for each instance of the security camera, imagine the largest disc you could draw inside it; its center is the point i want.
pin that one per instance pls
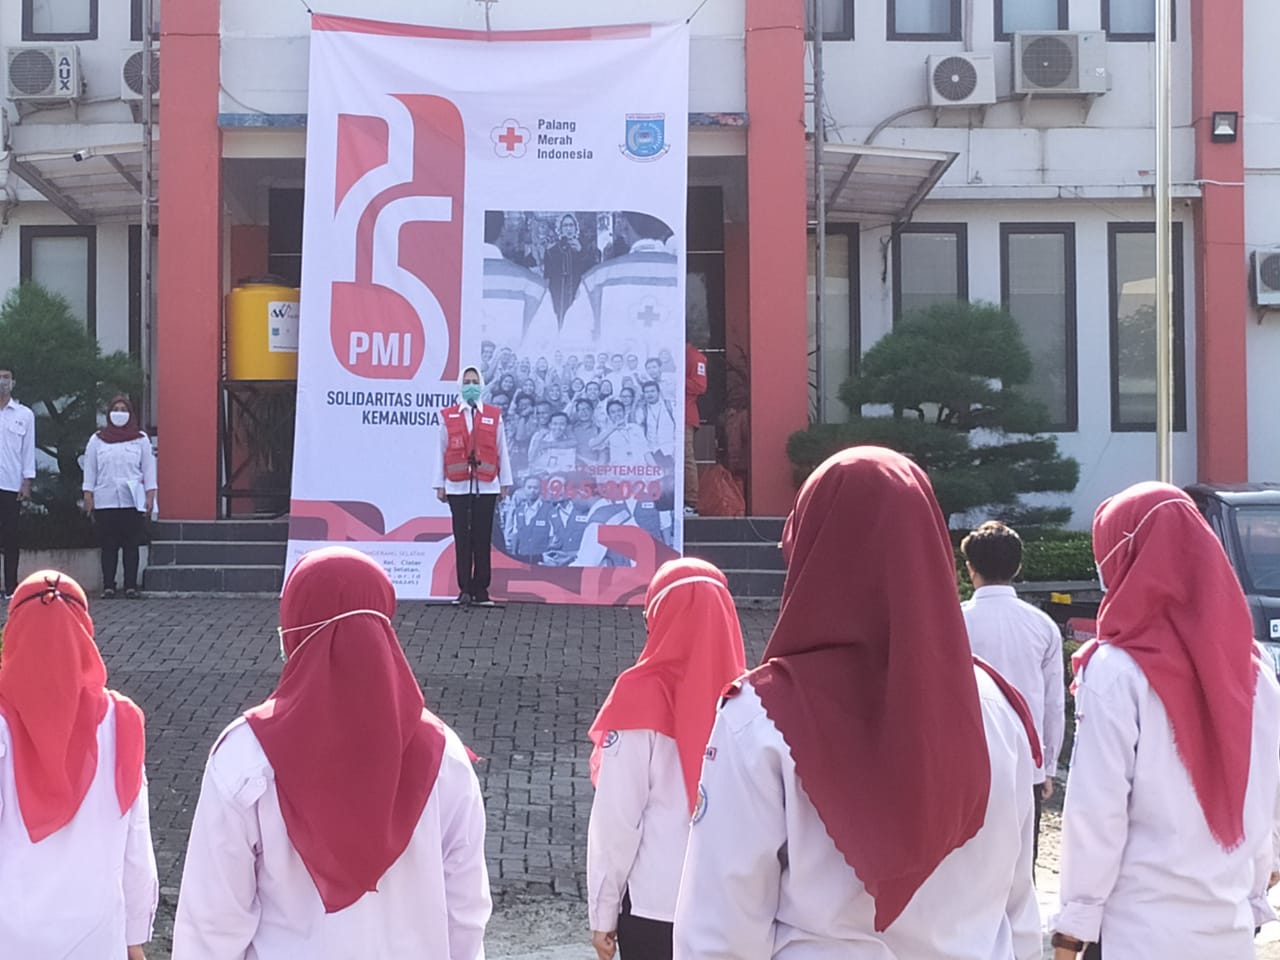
(80, 155)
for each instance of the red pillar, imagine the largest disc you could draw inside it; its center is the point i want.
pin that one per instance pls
(1222, 301)
(189, 317)
(777, 221)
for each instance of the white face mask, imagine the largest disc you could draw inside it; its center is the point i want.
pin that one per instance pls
(320, 625)
(1102, 584)
(119, 417)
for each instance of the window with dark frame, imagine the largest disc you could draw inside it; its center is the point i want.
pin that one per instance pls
(1029, 16)
(63, 260)
(1038, 289)
(842, 335)
(924, 20)
(1133, 21)
(135, 20)
(1131, 275)
(284, 234)
(837, 19)
(930, 265)
(59, 20)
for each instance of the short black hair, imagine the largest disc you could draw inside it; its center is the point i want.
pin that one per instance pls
(647, 226)
(994, 551)
(615, 403)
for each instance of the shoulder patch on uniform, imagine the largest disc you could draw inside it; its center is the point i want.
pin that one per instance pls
(700, 808)
(710, 754)
(730, 691)
(610, 739)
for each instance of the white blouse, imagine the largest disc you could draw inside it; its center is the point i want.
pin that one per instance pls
(119, 474)
(88, 891)
(762, 877)
(246, 894)
(1139, 864)
(639, 828)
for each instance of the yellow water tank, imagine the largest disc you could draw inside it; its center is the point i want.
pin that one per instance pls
(262, 330)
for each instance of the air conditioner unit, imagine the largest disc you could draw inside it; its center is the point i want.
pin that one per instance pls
(131, 73)
(43, 73)
(1266, 277)
(961, 80)
(1060, 62)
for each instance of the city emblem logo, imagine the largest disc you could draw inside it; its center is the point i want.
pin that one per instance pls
(646, 136)
(610, 739)
(510, 139)
(700, 808)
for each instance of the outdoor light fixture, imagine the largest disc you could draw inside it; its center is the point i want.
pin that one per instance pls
(1226, 124)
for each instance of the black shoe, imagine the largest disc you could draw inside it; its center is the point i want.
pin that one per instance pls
(482, 600)
(109, 593)
(464, 600)
(133, 594)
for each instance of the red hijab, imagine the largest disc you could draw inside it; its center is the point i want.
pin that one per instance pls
(693, 651)
(52, 697)
(354, 752)
(869, 676)
(1175, 606)
(113, 434)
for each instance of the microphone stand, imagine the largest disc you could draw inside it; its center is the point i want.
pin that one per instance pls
(474, 486)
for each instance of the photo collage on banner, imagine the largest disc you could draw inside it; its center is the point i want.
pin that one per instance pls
(455, 220)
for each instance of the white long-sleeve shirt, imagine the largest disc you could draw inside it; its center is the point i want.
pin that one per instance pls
(762, 878)
(89, 890)
(457, 488)
(119, 475)
(1139, 864)
(639, 828)
(1025, 647)
(246, 894)
(17, 445)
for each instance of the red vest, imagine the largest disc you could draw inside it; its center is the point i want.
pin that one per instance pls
(482, 441)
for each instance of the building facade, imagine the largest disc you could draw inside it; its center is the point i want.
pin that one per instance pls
(943, 180)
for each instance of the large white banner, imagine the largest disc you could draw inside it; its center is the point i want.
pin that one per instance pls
(514, 201)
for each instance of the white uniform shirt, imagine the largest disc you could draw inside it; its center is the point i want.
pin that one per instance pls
(246, 894)
(516, 309)
(762, 878)
(457, 488)
(638, 830)
(1139, 864)
(1025, 647)
(119, 474)
(87, 891)
(17, 445)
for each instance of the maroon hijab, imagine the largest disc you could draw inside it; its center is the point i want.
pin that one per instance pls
(113, 434)
(869, 675)
(1174, 604)
(355, 754)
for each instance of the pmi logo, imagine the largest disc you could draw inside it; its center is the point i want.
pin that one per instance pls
(376, 331)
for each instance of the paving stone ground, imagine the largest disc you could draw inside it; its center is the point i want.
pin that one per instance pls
(520, 685)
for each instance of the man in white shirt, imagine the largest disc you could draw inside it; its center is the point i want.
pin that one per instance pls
(1019, 640)
(17, 470)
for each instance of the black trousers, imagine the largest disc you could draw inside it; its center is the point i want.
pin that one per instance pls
(9, 538)
(120, 529)
(473, 540)
(1093, 952)
(640, 938)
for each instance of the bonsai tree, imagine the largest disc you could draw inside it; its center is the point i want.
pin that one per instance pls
(948, 379)
(62, 374)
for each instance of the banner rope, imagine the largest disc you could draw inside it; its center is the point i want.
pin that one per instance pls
(307, 6)
(697, 10)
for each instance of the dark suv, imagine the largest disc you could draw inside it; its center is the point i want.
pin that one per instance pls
(1246, 518)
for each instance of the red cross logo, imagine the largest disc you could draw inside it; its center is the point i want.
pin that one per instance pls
(509, 138)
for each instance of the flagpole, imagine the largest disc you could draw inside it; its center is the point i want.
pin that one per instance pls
(1164, 244)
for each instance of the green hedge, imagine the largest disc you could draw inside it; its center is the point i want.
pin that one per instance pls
(1046, 555)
